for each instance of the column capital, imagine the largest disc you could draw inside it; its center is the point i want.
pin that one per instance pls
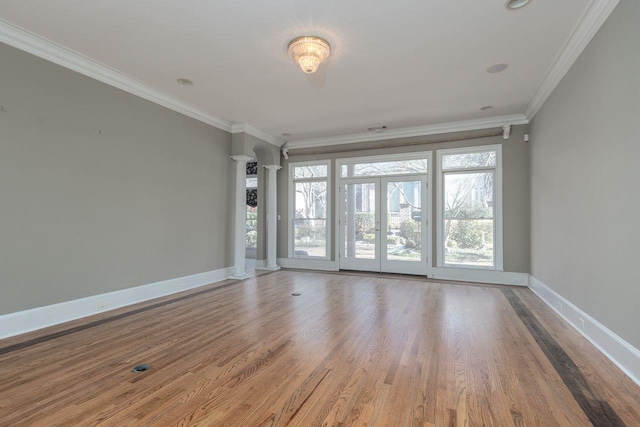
(242, 158)
(272, 167)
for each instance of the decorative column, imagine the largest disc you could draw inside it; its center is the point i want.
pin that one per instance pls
(240, 234)
(272, 216)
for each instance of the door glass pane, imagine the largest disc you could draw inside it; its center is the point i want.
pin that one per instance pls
(404, 221)
(310, 222)
(360, 221)
(469, 224)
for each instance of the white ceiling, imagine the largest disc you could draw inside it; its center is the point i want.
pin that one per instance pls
(401, 64)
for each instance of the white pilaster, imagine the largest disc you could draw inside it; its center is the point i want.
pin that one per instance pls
(272, 216)
(240, 234)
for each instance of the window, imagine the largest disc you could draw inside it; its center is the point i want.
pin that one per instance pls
(469, 213)
(252, 182)
(398, 167)
(252, 213)
(251, 241)
(309, 197)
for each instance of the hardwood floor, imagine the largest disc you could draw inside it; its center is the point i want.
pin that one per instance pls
(352, 349)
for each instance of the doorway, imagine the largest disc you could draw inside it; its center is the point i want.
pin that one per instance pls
(383, 220)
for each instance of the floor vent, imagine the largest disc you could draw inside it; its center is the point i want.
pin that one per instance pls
(141, 368)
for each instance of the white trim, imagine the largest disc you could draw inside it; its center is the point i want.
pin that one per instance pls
(497, 200)
(616, 349)
(240, 127)
(337, 238)
(265, 268)
(587, 27)
(430, 207)
(291, 206)
(308, 264)
(498, 203)
(436, 129)
(46, 49)
(41, 317)
(272, 216)
(481, 276)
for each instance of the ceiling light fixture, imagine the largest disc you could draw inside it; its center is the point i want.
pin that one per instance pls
(309, 52)
(516, 4)
(185, 82)
(486, 107)
(497, 68)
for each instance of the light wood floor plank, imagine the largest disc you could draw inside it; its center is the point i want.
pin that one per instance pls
(352, 350)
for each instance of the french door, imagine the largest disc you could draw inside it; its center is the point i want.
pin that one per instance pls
(383, 224)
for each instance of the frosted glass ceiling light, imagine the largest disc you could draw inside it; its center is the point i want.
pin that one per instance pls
(309, 52)
(516, 4)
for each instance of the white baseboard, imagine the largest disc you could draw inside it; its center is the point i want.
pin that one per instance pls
(481, 276)
(308, 264)
(620, 352)
(261, 264)
(460, 274)
(41, 317)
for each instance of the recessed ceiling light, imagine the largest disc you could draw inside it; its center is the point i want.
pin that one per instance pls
(377, 129)
(286, 134)
(497, 68)
(516, 4)
(486, 107)
(185, 82)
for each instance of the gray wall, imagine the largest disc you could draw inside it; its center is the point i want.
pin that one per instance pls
(515, 185)
(101, 190)
(585, 200)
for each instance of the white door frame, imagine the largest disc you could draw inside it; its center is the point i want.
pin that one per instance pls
(427, 200)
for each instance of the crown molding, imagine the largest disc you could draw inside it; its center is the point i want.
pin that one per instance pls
(449, 127)
(591, 21)
(58, 54)
(240, 127)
